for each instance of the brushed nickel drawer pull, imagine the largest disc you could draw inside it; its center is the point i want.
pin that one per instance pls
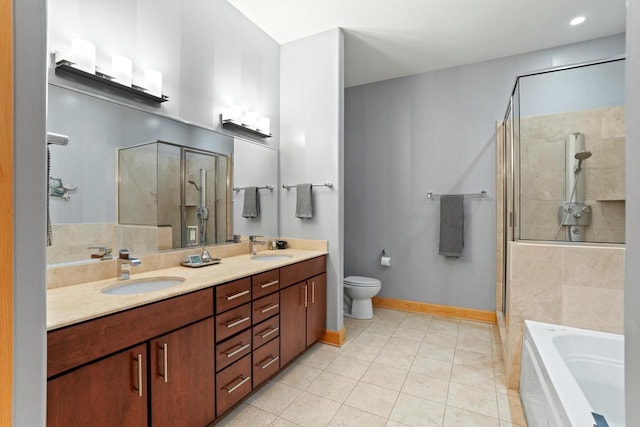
(266, 285)
(139, 363)
(264, 365)
(268, 332)
(233, 323)
(306, 296)
(313, 292)
(242, 379)
(165, 362)
(238, 295)
(267, 308)
(238, 350)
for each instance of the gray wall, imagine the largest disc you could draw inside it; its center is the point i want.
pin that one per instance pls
(632, 255)
(255, 164)
(311, 148)
(433, 132)
(29, 357)
(211, 56)
(564, 91)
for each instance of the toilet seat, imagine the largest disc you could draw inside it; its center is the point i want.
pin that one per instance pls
(361, 281)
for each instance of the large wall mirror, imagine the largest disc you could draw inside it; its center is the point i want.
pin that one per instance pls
(147, 182)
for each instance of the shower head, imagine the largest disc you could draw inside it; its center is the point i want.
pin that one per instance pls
(580, 157)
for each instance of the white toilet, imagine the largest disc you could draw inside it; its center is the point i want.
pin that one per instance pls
(360, 290)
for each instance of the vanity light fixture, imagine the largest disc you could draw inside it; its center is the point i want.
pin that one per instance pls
(81, 63)
(248, 121)
(578, 20)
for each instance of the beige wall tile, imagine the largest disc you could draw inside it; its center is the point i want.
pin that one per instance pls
(593, 308)
(536, 282)
(596, 267)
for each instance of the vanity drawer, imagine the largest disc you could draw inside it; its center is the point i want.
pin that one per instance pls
(265, 307)
(266, 362)
(233, 384)
(265, 283)
(266, 331)
(232, 349)
(233, 294)
(301, 271)
(233, 321)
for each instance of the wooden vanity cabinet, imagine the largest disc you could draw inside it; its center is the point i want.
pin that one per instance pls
(111, 371)
(302, 306)
(111, 392)
(182, 376)
(184, 360)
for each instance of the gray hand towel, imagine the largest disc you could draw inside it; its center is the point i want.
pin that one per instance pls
(451, 226)
(251, 208)
(304, 209)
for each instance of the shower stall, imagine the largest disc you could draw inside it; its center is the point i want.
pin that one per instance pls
(181, 191)
(561, 203)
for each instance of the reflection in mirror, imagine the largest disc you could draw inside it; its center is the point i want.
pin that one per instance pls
(180, 191)
(97, 129)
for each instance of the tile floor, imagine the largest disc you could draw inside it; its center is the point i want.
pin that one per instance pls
(398, 369)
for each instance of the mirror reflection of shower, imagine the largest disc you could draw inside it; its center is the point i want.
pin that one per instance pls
(574, 214)
(202, 212)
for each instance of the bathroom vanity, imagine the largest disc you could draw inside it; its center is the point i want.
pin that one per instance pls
(187, 354)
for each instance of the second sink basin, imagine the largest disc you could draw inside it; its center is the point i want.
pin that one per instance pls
(141, 286)
(270, 257)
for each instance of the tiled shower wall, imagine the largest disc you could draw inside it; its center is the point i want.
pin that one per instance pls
(542, 168)
(580, 286)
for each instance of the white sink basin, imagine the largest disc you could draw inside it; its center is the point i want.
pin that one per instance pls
(141, 286)
(270, 257)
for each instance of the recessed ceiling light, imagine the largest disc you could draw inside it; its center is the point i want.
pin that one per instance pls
(578, 20)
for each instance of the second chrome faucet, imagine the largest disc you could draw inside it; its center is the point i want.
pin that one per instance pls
(253, 242)
(125, 262)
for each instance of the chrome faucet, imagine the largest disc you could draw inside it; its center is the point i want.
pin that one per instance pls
(253, 242)
(125, 263)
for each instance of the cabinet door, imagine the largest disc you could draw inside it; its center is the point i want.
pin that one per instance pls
(183, 377)
(292, 322)
(111, 392)
(316, 308)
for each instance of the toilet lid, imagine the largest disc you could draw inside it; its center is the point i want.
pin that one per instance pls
(361, 281)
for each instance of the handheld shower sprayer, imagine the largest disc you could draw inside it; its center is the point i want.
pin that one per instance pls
(580, 157)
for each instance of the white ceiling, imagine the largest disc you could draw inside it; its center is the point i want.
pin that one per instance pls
(392, 38)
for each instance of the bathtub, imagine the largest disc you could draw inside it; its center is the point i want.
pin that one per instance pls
(568, 373)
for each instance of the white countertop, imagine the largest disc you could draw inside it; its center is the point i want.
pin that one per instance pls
(76, 303)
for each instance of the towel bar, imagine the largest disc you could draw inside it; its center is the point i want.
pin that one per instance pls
(326, 184)
(266, 187)
(480, 195)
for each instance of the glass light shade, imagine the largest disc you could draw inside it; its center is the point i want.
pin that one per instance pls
(264, 125)
(235, 113)
(153, 82)
(250, 119)
(83, 55)
(121, 69)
